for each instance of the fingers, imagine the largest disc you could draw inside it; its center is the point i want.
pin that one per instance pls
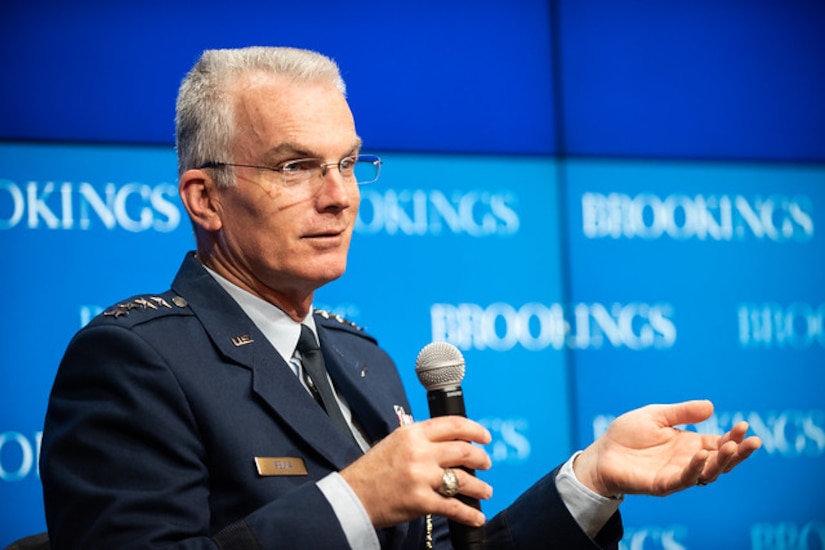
(737, 433)
(455, 510)
(704, 467)
(453, 438)
(692, 473)
(687, 412)
(714, 467)
(468, 485)
(446, 428)
(733, 449)
(397, 479)
(743, 448)
(454, 507)
(461, 453)
(453, 435)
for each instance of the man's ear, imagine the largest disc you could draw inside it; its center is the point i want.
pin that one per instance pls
(199, 194)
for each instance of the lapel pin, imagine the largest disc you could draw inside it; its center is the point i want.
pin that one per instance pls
(242, 340)
(404, 419)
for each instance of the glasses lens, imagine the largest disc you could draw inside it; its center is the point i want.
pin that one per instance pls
(367, 169)
(297, 172)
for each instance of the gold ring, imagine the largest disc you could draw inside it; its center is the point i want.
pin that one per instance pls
(449, 483)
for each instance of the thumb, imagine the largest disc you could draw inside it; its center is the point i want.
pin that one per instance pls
(687, 412)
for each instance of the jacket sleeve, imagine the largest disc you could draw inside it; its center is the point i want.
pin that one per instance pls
(124, 465)
(539, 519)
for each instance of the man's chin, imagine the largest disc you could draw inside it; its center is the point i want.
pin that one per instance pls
(328, 274)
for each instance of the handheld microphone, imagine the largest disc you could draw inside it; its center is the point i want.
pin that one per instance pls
(440, 368)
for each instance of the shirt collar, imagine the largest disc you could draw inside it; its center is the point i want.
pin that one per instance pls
(281, 330)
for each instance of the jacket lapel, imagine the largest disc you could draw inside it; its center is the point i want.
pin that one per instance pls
(370, 399)
(238, 339)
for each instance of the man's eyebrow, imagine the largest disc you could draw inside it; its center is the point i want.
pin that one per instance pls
(288, 149)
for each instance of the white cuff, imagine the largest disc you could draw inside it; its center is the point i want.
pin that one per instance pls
(590, 509)
(350, 512)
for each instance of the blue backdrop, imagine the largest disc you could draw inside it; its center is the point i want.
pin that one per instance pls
(602, 204)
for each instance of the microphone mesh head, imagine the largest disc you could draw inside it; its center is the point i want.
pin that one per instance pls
(440, 365)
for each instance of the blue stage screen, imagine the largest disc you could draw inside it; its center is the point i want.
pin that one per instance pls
(423, 76)
(701, 79)
(704, 281)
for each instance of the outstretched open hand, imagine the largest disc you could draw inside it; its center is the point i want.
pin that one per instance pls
(642, 453)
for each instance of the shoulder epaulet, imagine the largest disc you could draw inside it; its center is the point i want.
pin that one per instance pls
(337, 322)
(141, 305)
(337, 318)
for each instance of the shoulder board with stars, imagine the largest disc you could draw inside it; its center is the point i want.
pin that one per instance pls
(333, 317)
(145, 303)
(337, 322)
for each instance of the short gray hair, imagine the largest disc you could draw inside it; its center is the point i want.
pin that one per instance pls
(204, 116)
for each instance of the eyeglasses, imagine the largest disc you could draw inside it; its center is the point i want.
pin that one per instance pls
(362, 169)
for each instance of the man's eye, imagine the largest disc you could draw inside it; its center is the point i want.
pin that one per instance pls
(297, 166)
(347, 163)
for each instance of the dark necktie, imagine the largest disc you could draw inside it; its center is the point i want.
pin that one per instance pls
(315, 377)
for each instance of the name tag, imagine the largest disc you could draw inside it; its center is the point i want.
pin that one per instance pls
(280, 466)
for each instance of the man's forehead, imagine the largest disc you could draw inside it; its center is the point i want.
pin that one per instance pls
(282, 118)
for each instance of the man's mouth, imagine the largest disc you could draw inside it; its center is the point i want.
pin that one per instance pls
(324, 235)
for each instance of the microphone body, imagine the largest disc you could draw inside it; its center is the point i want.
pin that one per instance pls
(440, 368)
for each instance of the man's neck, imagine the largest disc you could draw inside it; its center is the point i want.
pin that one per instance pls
(297, 305)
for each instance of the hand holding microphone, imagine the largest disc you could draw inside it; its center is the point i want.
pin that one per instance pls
(398, 478)
(440, 368)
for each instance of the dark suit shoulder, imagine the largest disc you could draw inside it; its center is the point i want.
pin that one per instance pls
(144, 307)
(336, 322)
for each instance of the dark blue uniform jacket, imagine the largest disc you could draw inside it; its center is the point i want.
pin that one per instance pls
(162, 404)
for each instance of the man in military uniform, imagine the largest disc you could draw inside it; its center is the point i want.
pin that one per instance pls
(194, 418)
